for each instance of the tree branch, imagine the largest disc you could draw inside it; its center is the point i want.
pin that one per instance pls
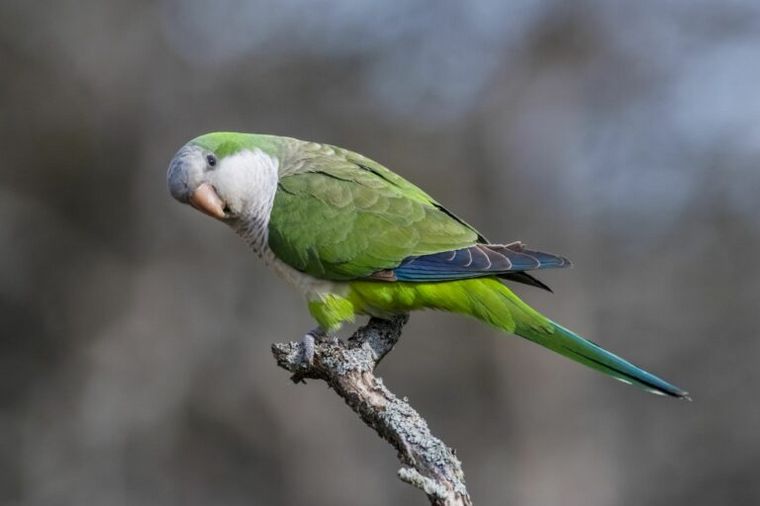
(348, 368)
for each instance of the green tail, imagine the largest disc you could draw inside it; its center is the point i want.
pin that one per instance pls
(581, 350)
(527, 323)
(490, 301)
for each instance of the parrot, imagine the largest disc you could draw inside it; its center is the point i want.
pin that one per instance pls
(357, 239)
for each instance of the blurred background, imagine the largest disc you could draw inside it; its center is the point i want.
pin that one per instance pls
(134, 351)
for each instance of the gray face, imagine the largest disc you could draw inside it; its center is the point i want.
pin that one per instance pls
(188, 178)
(186, 172)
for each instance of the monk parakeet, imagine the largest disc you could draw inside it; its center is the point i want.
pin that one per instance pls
(357, 239)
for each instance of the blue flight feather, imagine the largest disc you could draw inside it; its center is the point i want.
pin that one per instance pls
(476, 261)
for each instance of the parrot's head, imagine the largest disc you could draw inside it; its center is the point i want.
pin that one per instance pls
(228, 176)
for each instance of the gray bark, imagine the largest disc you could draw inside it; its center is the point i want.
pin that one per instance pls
(348, 368)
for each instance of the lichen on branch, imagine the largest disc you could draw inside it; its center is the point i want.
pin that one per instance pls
(348, 368)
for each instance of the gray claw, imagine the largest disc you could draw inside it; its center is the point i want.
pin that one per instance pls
(309, 344)
(308, 341)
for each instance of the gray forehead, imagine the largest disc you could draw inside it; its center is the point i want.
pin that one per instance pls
(178, 175)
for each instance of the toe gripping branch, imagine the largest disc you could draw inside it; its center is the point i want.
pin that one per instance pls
(348, 368)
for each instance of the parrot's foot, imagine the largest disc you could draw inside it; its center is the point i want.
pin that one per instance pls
(309, 342)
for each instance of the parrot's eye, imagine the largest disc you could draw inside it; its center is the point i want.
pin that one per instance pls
(211, 160)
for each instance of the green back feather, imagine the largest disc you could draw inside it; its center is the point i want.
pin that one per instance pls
(340, 216)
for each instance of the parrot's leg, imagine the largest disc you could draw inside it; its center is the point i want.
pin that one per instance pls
(309, 341)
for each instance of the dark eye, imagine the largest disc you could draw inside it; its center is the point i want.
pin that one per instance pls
(211, 160)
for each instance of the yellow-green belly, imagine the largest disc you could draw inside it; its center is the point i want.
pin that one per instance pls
(483, 298)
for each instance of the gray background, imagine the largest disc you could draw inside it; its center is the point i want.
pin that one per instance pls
(134, 355)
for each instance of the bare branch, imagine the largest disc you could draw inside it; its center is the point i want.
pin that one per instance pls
(348, 368)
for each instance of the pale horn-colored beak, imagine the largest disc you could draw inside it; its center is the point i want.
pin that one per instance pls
(206, 200)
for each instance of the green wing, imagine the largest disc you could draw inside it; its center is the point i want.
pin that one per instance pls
(342, 216)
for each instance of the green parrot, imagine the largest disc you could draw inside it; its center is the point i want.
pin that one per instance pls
(357, 239)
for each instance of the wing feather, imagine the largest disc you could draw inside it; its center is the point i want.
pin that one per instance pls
(477, 261)
(336, 219)
(341, 216)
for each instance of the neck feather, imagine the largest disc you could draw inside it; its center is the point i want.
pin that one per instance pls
(252, 176)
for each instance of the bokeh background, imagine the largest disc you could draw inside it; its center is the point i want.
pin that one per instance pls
(134, 351)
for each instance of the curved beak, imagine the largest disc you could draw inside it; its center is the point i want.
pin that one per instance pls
(206, 200)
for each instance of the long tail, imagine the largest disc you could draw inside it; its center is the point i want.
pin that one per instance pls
(494, 303)
(582, 350)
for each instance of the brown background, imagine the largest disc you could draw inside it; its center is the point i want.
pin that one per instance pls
(134, 354)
